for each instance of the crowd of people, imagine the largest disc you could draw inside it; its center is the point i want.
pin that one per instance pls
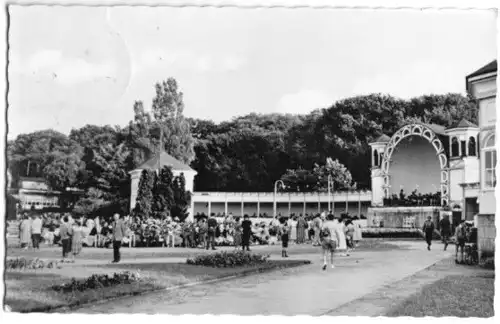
(202, 232)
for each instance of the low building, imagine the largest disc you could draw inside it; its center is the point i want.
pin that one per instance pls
(34, 193)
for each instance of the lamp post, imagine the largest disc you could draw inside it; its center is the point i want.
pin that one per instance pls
(330, 186)
(275, 192)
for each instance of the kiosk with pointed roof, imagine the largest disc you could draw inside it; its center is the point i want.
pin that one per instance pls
(156, 163)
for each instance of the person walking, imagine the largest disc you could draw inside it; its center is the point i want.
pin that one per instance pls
(461, 237)
(350, 230)
(301, 230)
(76, 239)
(342, 242)
(358, 235)
(246, 225)
(330, 237)
(445, 228)
(212, 227)
(428, 230)
(36, 231)
(317, 229)
(25, 232)
(237, 234)
(284, 231)
(65, 231)
(119, 230)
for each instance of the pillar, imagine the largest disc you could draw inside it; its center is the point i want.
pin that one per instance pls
(191, 212)
(304, 208)
(319, 203)
(289, 205)
(209, 209)
(258, 205)
(347, 201)
(226, 207)
(242, 206)
(359, 203)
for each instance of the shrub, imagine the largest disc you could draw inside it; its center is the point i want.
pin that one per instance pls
(33, 264)
(226, 259)
(98, 281)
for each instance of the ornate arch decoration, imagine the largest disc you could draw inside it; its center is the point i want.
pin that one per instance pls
(427, 133)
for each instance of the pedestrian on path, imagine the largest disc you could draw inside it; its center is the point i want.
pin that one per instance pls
(247, 232)
(342, 242)
(428, 230)
(461, 236)
(25, 232)
(76, 239)
(284, 231)
(36, 231)
(317, 229)
(445, 227)
(212, 226)
(301, 230)
(65, 231)
(119, 230)
(330, 237)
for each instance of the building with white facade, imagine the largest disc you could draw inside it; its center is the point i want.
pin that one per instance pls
(458, 162)
(482, 85)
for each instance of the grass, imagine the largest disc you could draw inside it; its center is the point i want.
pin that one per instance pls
(31, 291)
(457, 296)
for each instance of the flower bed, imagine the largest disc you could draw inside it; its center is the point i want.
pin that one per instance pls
(98, 281)
(27, 264)
(230, 259)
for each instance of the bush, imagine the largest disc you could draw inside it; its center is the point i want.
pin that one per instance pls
(98, 281)
(230, 259)
(33, 264)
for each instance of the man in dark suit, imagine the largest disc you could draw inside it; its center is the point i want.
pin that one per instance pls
(247, 233)
(119, 231)
(212, 225)
(445, 227)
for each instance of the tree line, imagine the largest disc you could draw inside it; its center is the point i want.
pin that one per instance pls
(247, 153)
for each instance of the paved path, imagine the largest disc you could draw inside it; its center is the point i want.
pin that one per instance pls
(305, 290)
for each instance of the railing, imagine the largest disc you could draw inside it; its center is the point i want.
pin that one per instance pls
(282, 194)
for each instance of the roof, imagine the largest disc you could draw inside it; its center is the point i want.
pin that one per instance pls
(33, 179)
(382, 139)
(438, 129)
(464, 123)
(164, 159)
(488, 68)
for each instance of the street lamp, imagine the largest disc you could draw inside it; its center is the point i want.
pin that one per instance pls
(330, 185)
(278, 182)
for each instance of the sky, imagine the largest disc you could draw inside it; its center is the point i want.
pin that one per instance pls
(72, 66)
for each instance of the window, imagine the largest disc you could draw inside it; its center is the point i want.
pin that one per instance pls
(490, 162)
(463, 145)
(472, 146)
(454, 147)
(375, 158)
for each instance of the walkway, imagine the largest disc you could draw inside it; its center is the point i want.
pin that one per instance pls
(305, 290)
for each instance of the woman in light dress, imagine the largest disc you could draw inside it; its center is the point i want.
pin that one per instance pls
(342, 246)
(358, 236)
(77, 239)
(25, 232)
(293, 229)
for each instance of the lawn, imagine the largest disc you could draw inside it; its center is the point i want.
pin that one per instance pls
(457, 296)
(30, 291)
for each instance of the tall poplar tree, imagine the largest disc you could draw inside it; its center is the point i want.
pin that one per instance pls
(143, 206)
(163, 195)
